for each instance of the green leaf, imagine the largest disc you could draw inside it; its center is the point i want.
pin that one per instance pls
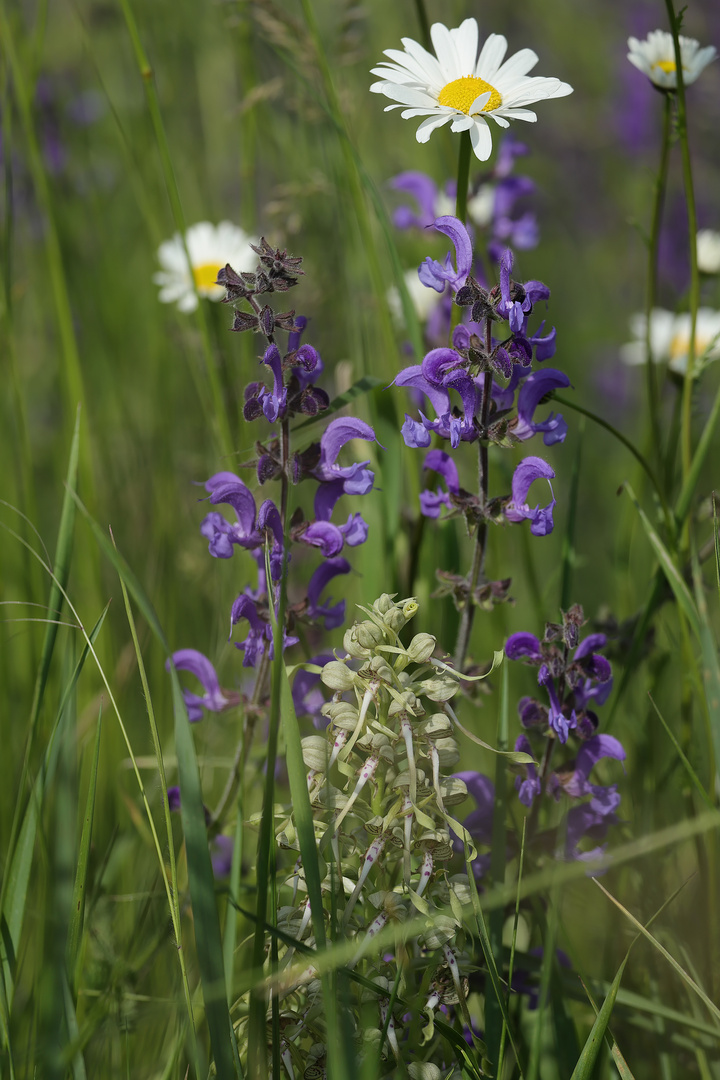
(77, 910)
(710, 666)
(586, 1062)
(673, 575)
(358, 389)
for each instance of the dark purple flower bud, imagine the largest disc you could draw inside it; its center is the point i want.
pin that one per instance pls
(173, 797)
(313, 400)
(267, 321)
(267, 469)
(532, 713)
(307, 357)
(244, 320)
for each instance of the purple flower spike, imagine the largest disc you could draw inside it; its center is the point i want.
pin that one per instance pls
(561, 724)
(334, 615)
(522, 645)
(433, 274)
(533, 389)
(198, 665)
(591, 751)
(273, 404)
(307, 694)
(424, 191)
(325, 536)
(221, 854)
(530, 787)
(479, 822)
(529, 470)
(431, 501)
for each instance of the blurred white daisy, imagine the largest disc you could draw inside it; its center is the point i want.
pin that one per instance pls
(210, 247)
(670, 338)
(708, 251)
(458, 85)
(655, 57)
(424, 300)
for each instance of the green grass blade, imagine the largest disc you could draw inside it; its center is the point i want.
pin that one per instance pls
(63, 552)
(710, 666)
(673, 575)
(202, 891)
(678, 749)
(568, 541)
(230, 928)
(17, 878)
(77, 909)
(586, 1062)
(494, 1019)
(710, 1005)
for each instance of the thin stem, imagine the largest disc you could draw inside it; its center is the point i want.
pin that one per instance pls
(686, 421)
(424, 23)
(652, 272)
(626, 443)
(463, 177)
(468, 614)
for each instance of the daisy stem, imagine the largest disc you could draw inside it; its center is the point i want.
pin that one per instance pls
(468, 614)
(686, 419)
(424, 23)
(653, 246)
(463, 177)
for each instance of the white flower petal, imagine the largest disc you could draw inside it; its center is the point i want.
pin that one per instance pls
(445, 51)
(519, 64)
(481, 140)
(491, 57)
(427, 127)
(462, 123)
(465, 40)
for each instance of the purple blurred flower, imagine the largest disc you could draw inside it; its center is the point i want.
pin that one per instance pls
(260, 636)
(307, 694)
(221, 855)
(430, 502)
(214, 700)
(533, 389)
(529, 787)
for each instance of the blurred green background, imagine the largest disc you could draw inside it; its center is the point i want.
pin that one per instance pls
(84, 207)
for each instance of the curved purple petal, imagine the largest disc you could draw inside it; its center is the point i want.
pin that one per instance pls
(355, 530)
(438, 363)
(414, 378)
(431, 503)
(454, 228)
(529, 470)
(523, 644)
(415, 434)
(533, 389)
(323, 535)
(326, 496)
(440, 462)
(338, 432)
(296, 333)
(589, 644)
(241, 499)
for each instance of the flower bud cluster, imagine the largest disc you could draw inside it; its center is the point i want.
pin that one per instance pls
(382, 799)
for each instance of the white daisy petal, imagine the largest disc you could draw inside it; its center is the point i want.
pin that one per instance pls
(427, 127)
(445, 49)
(481, 140)
(491, 56)
(517, 65)
(465, 40)
(462, 123)
(460, 87)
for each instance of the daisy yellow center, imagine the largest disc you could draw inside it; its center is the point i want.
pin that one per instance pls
(205, 275)
(668, 66)
(680, 345)
(460, 94)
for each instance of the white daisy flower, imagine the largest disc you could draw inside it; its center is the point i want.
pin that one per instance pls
(708, 251)
(210, 247)
(424, 300)
(458, 85)
(655, 57)
(670, 338)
